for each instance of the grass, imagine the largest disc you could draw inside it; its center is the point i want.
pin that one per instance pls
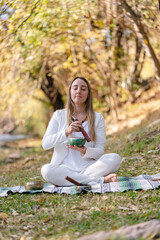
(65, 217)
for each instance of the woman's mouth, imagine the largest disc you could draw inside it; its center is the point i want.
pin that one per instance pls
(78, 95)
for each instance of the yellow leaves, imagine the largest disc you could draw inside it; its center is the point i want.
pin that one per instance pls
(92, 65)
(3, 216)
(41, 200)
(67, 64)
(146, 41)
(99, 23)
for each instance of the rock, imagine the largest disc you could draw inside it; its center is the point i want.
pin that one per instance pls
(142, 230)
(15, 156)
(12, 157)
(6, 125)
(96, 236)
(8, 160)
(156, 122)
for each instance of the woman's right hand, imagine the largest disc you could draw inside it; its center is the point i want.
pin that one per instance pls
(73, 127)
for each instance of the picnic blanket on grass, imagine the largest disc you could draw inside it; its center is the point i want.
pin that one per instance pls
(141, 182)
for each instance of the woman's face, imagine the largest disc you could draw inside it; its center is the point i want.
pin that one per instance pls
(79, 92)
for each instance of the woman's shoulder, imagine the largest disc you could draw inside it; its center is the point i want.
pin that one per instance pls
(60, 112)
(98, 115)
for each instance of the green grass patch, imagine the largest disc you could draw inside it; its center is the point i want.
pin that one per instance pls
(53, 216)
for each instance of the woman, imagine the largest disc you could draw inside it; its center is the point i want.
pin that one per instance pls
(88, 164)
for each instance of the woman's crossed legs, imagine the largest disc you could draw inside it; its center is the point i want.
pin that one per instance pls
(101, 171)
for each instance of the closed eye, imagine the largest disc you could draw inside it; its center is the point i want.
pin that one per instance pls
(83, 88)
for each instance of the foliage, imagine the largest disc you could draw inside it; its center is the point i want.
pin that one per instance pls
(96, 39)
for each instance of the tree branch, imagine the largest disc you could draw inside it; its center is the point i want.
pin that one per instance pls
(8, 6)
(25, 20)
(135, 17)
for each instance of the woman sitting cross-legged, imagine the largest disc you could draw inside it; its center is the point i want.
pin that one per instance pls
(87, 164)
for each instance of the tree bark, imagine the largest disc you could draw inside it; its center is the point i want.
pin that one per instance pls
(143, 34)
(137, 57)
(52, 92)
(137, 65)
(119, 49)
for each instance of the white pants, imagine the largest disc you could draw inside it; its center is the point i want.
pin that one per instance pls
(108, 163)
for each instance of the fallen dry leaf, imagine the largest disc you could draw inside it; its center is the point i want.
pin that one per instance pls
(133, 207)
(124, 208)
(130, 208)
(23, 237)
(3, 215)
(41, 200)
(104, 198)
(94, 209)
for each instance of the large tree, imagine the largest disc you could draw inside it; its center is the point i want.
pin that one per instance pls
(46, 43)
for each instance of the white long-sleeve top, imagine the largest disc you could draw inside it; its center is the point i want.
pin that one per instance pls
(56, 138)
(74, 159)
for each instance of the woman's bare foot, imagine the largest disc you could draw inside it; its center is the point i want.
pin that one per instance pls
(110, 178)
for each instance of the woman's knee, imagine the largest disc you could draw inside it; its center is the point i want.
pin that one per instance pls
(116, 157)
(111, 157)
(113, 160)
(45, 171)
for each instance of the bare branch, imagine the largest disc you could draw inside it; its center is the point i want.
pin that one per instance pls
(142, 35)
(25, 20)
(32, 11)
(8, 6)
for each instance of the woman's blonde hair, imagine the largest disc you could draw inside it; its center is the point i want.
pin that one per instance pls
(89, 109)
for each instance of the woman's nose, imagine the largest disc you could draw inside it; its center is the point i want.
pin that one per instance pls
(78, 89)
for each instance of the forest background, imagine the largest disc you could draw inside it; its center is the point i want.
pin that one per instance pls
(44, 44)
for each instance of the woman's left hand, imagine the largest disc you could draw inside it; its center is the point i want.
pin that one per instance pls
(80, 149)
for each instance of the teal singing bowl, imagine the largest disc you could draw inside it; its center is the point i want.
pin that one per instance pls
(79, 142)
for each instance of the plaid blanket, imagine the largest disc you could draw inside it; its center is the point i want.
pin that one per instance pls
(141, 182)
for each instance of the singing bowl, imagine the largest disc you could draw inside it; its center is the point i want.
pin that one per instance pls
(79, 142)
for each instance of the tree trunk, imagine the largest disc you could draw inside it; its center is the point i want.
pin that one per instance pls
(119, 49)
(137, 65)
(143, 35)
(136, 72)
(52, 92)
